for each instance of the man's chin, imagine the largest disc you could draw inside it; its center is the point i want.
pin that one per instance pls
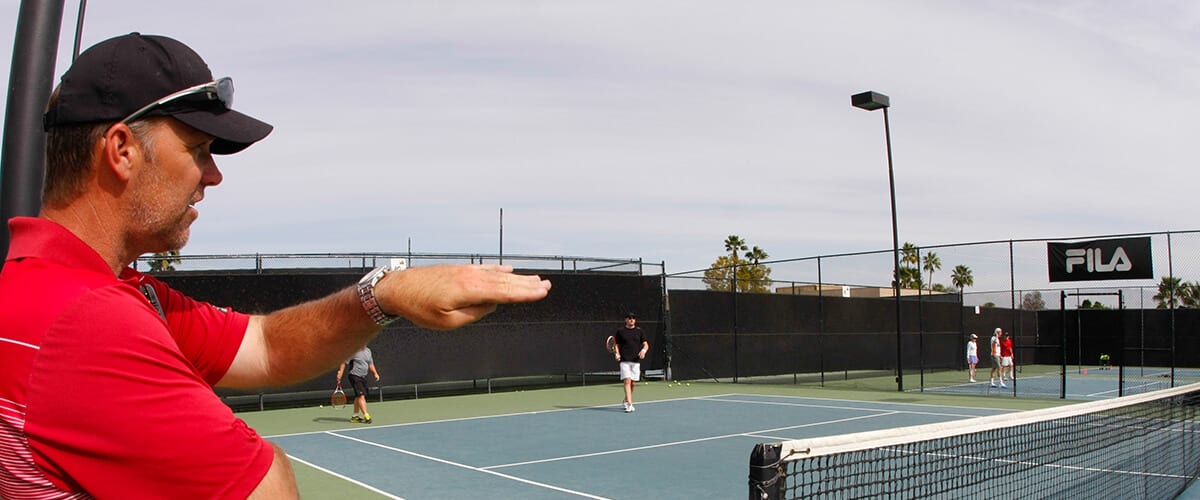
(173, 242)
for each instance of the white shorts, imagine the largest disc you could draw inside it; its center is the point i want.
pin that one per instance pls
(631, 370)
(1006, 361)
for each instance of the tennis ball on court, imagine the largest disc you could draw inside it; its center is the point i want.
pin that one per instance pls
(689, 384)
(322, 406)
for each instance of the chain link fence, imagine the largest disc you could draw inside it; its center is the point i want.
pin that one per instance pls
(260, 262)
(950, 292)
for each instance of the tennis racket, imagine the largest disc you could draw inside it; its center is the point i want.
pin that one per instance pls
(338, 399)
(610, 344)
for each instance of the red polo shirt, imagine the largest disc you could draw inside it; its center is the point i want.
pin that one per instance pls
(102, 395)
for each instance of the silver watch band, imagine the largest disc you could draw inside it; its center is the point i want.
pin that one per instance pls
(366, 291)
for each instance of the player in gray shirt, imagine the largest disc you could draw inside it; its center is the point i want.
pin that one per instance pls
(360, 364)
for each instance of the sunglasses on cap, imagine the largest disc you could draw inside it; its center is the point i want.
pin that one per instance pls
(220, 90)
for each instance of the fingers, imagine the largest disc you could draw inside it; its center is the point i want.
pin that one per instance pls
(446, 297)
(491, 284)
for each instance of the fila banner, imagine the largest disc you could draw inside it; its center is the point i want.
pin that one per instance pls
(1118, 259)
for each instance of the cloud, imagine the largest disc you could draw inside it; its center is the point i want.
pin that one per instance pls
(655, 129)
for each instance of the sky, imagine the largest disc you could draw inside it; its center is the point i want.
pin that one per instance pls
(655, 129)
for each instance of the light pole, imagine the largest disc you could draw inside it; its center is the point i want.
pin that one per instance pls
(872, 101)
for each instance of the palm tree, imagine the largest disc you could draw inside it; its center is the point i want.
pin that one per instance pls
(932, 263)
(910, 277)
(1191, 294)
(733, 245)
(756, 273)
(1169, 291)
(756, 254)
(910, 254)
(961, 277)
(910, 266)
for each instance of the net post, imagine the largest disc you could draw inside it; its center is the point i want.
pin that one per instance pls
(766, 474)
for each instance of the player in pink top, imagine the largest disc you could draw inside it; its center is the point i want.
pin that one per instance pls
(1006, 358)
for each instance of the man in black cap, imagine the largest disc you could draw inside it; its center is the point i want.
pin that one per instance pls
(106, 383)
(631, 348)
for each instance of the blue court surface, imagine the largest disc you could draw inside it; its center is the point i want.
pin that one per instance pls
(687, 447)
(1082, 384)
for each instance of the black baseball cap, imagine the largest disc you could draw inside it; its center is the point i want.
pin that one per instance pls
(119, 76)
(630, 315)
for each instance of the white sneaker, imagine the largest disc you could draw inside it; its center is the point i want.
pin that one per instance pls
(1002, 386)
(629, 409)
(972, 380)
(626, 404)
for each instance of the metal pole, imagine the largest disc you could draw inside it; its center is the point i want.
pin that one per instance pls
(820, 321)
(887, 131)
(1121, 343)
(1062, 311)
(1015, 316)
(920, 325)
(31, 78)
(735, 323)
(1171, 303)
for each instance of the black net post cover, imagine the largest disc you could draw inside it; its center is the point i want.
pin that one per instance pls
(766, 471)
(1140, 446)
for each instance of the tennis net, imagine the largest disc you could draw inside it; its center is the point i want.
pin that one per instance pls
(1139, 446)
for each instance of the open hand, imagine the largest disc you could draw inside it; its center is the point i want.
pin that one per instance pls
(445, 297)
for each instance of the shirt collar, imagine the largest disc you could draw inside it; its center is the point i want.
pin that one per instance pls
(45, 239)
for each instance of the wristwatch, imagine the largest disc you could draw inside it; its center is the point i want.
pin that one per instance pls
(366, 291)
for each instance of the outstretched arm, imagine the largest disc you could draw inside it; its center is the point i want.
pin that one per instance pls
(302, 341)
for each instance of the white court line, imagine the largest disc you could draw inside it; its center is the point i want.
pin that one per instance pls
(481, 417)
(689, 398)
(1114, 391)
(332, 473)
(468, 467)
(831, 407)
(688, 441)
(863, 401)
(760, 434)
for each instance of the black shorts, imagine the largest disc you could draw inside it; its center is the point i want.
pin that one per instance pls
(359, 384)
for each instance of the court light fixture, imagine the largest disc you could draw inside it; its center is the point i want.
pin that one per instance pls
(872, 101)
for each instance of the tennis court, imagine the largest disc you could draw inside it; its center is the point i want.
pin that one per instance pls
(1139, 446)
(684, 441)
(1082, 383)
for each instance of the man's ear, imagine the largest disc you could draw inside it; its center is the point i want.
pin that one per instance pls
(120, 151)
